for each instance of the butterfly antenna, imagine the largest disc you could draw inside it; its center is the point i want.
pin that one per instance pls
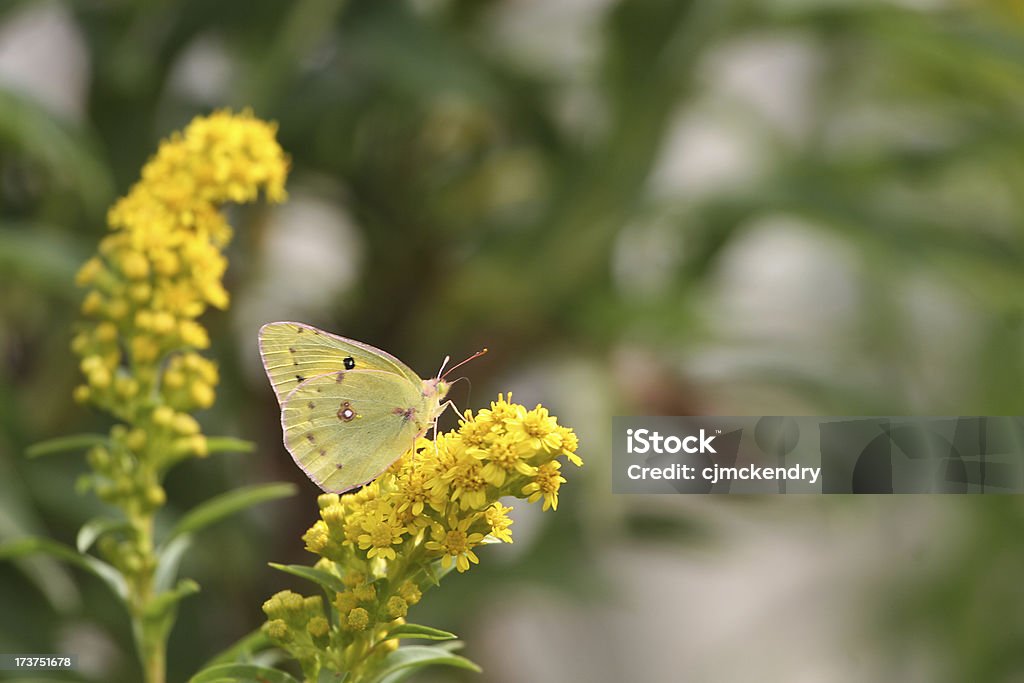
(469, 391)
(441, 369)
(459, 365)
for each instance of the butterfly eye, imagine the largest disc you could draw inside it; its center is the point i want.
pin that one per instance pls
(349, 363)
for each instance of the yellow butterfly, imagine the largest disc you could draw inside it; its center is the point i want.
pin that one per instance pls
(348, 410)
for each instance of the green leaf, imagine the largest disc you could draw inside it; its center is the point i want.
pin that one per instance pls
(168, 560)
(420, 631)
(253, 642)
(242, 673)
(37, 544)
(228, 444)
(19, 518)
(450, 646)
(405, 661)
(95, 528)
(320, 576)
(61, 444)
(168, 599)
(229, 503)
(436, 571)
(398, 676)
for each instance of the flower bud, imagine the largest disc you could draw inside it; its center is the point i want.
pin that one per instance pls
(397, 607)
(318, 627)
(358, 619)
(277, 629)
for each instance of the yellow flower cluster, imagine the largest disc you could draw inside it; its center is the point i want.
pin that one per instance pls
(425, 515)
(156, 272)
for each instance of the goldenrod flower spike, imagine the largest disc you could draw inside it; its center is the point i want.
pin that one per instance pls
(156, 272)
(428, 513)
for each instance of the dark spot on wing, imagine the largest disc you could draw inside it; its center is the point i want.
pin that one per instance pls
(310, 438)
(291, 349)
(323, 451)
(300, 378)
(340, 378)
(406, 413)
(338, 466)
(311, 405)
(350, 362)
(300, 330)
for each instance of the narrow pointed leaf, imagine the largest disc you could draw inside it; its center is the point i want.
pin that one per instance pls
(405, 661)
(436, 571)
(420, 631)
(19, 518)
(229, 503)
(320, 576)
(61, 444)
(168, 561)
(228, 444)
(242, 673)
(168, 599)
(94, 528)
(253, 642)
(36, 544)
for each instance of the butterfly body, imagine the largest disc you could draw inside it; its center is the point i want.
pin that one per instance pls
(348, 410)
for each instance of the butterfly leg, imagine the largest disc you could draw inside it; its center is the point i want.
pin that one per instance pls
(445, 406)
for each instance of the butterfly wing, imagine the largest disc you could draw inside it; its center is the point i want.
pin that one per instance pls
(295, 352)
(344, 428)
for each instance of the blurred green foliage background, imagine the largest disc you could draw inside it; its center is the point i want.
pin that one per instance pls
(643, 206)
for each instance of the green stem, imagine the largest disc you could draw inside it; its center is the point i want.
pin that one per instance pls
(151, 636)
(156, 662)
